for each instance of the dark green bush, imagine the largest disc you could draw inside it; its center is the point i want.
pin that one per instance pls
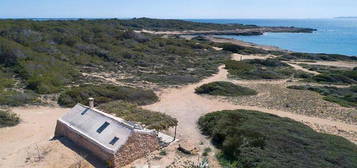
(131, 112)
(224, 89)
(106, 93)
(8, 119)
(250, 139)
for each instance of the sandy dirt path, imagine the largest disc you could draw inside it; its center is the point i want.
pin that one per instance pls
(239, 57)
(183, 104)
(298, 67)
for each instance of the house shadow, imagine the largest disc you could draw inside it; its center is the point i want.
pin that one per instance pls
(84, 153)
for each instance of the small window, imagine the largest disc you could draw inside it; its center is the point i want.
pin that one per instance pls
(101, 128)
(85, 111)
(114, 140)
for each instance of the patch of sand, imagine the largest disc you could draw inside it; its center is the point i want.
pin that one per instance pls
(29, 143)
(239, 57)
(298, 67)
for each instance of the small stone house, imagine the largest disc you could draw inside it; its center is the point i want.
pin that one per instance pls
(111, 139)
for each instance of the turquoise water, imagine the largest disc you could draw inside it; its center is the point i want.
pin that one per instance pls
(334, 36)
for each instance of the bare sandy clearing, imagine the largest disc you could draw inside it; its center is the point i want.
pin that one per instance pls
(298, 67)
(22, 144)
(239, 57)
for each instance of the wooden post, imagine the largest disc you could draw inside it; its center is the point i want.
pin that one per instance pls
(175, 132)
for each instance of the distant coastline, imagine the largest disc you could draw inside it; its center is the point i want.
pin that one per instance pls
(346, 17)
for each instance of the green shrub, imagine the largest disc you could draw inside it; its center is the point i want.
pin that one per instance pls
(6, 80)
(8, 119)
(346, 97)
(131, 112)
(16, 98)
(317, 56)
(105, 93)
(261, 69)
(224, 89)
(250, 139)
(163, 153)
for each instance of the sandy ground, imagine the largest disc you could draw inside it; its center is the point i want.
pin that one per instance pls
(298, 67)
(29, 143)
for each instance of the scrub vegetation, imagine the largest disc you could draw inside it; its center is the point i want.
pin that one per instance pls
(262, 69)
(10, 96)
(106, 93)
(250, 139)
(332, 75)
(224, 89)
(49, 55)
(131, 112)
(8, 119)
(346, 97)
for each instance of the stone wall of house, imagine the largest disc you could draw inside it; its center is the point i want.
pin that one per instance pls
(64, 130)
(137, 146)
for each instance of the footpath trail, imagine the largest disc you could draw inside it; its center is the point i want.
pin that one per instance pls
(183, 104)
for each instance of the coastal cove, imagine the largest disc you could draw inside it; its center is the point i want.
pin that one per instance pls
(333, 36)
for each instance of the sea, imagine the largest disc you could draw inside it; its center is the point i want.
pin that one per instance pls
(333, 36)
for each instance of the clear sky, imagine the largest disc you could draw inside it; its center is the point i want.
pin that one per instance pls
(177, 8)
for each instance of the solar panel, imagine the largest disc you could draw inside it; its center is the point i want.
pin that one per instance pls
(114, 140)
(101, 128)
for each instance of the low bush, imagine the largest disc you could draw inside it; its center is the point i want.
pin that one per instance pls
(16, 98)
(317, 56)
(224, 89)
(323, 68)
(131, 112)
(8, 119)
(105, 93)
(346, 97)
(250, 139)
(6, 79)
(336, 77)
(262, 69)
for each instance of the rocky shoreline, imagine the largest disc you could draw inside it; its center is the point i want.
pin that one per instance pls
(241, 32)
